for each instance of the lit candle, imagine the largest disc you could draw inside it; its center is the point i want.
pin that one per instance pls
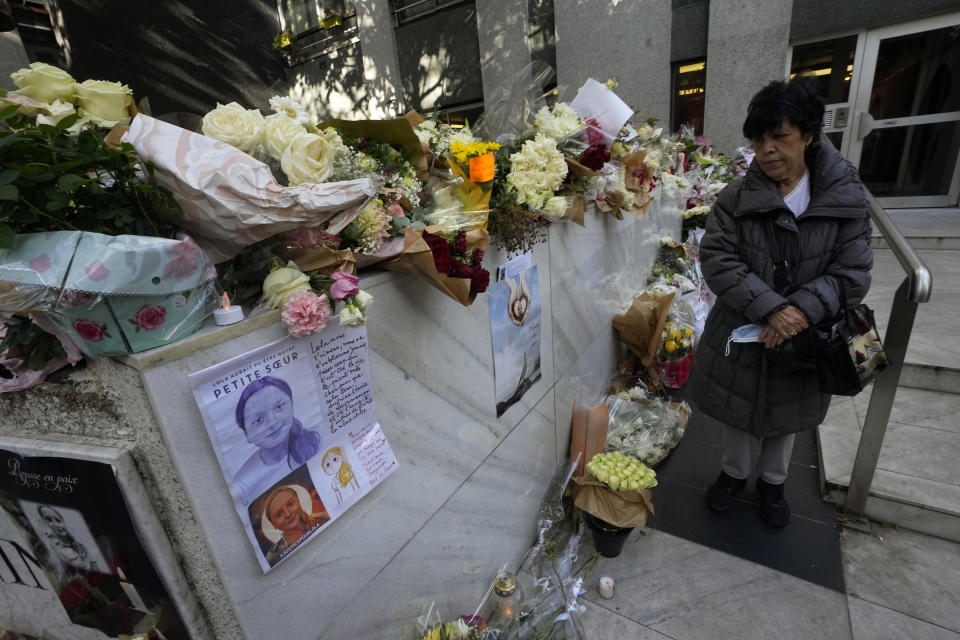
(227, 314)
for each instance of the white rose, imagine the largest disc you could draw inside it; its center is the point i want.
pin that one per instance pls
(59, 110)
(278, 131)
(283, 282)
(555, 207)
(363, 300)
(308, 158)
(106, 103)
(231, 123)
(350, 316)
(44, 83)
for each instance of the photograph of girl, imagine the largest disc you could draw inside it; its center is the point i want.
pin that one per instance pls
(286, 515)
(264, 413)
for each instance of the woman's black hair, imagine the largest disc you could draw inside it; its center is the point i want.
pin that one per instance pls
(796, 100)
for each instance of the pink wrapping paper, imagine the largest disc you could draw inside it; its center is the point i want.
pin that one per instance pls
(229, 199)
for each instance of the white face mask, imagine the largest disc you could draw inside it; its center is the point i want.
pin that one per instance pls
(746, 333)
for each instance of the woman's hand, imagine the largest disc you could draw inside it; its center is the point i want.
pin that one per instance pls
(783, 325)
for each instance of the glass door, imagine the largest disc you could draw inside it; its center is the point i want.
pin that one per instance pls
(906, 123)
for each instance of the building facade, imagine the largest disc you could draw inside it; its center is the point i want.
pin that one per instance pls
(889, 70)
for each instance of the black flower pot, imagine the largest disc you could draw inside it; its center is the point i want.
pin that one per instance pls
(607, 538)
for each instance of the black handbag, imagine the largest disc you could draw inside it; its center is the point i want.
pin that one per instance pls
(845, 351)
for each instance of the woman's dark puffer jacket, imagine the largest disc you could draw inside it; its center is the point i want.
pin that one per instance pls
(827, 244)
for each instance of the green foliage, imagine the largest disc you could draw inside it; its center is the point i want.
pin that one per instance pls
(52, 179)
(30, 343)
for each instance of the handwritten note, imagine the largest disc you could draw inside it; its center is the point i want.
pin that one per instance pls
(342, 364)
(374, 453)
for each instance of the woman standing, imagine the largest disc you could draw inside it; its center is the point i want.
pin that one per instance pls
(802, 201)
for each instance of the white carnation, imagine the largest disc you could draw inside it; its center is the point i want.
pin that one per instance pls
(557, 123)
(537, 171)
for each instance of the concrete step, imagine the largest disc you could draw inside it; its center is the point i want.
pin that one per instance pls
(917, 481)
(933, 354)
(926, 228)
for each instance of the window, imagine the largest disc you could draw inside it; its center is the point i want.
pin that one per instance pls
(405, 11)
(830, 63)
(689, 81)
(318, 27)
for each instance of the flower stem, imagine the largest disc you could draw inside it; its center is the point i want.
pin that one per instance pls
(41, 212)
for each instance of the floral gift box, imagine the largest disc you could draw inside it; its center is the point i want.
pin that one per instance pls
(111, 294)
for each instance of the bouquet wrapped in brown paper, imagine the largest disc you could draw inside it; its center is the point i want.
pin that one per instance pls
(616, 489)
(641, 327)
(449, 260)
(619, 508)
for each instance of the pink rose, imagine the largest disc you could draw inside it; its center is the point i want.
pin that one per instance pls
(185, 259)
(149, 317)
(305, 312)
(344, 285)
(396, 210)
(96, 271)
(41, 263)
(89, 330)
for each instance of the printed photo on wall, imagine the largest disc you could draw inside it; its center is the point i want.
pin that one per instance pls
(515, 327)
(287, 515)
(294, 428)
(73, 562)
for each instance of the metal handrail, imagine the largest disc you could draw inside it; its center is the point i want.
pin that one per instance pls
(914, 290)
(921, 282)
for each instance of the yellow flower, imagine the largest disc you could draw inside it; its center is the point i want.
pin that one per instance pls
(675, 335)
(462, 151)
(671, 346)
(688, 331)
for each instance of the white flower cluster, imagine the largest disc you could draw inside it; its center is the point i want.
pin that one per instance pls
(695, 211)
(439, 136)
(536, 173)
(54, 93)
(304, 157)
(557, 123)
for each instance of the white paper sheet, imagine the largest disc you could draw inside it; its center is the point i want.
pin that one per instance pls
(294, 427)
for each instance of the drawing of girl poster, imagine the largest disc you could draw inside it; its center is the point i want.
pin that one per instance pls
(343, 479)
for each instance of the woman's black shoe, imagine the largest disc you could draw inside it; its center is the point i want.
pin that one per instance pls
(721, 493)
(774, 509)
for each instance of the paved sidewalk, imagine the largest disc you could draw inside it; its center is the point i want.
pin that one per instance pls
(899, 585)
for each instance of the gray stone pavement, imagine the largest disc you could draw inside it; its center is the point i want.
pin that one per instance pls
(899, 585)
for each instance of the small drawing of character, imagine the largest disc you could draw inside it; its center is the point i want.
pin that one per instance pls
(334, 464)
